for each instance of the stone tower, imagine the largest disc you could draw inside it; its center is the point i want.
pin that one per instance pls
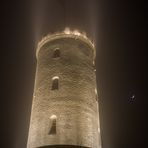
(65, 106)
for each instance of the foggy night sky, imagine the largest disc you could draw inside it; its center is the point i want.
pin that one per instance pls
(119, 30)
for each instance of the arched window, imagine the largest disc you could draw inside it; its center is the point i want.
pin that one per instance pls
(55, 83)
(56, 53)
(52, 130)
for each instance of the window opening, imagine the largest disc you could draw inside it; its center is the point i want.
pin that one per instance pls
(52, 130)
(96, 94)
(55, 83)
(56, 53)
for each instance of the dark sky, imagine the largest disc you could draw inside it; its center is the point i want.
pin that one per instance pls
(119, 30)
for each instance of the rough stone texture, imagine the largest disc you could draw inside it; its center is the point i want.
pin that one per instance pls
(74, 103)
(63, 146)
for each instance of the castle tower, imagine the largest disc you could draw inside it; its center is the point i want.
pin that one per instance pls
(65, 106)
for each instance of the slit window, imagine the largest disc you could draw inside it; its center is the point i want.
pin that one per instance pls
(55, 83)
(52, 130)
(96, 94)
(56, 53)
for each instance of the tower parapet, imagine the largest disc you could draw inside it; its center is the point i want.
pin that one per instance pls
(67, 34)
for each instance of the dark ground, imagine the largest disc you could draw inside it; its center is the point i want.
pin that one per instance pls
(119, 29)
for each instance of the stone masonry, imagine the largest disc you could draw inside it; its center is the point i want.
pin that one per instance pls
(65, 103)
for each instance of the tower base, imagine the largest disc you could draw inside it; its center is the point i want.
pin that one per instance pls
(62, 146)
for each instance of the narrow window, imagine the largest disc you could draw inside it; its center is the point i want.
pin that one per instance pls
(52, 130)
(96, 94)
(55, 83)
(56, 53)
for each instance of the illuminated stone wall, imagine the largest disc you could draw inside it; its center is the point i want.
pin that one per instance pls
(65, 107)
